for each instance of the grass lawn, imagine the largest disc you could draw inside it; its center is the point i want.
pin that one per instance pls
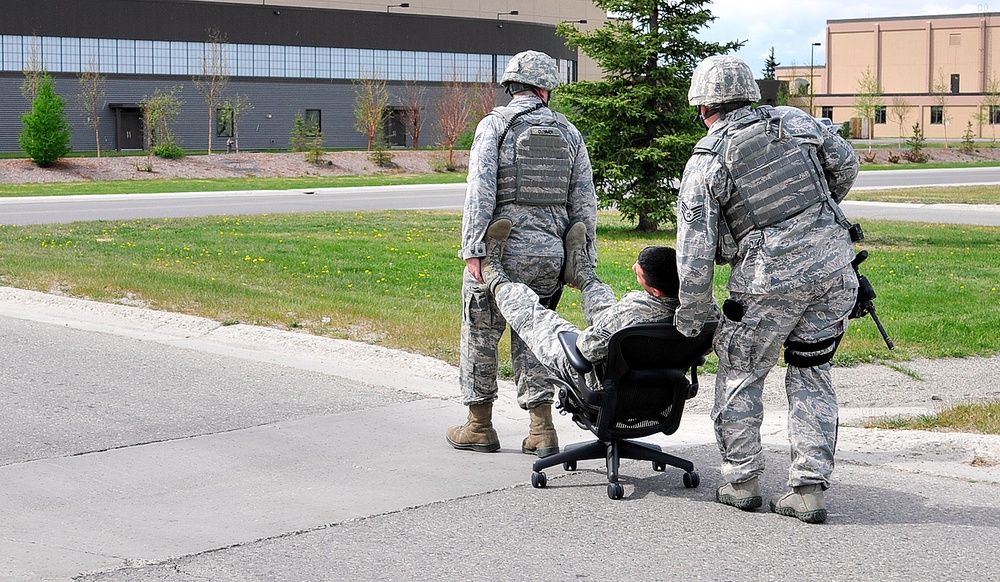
(393, 278)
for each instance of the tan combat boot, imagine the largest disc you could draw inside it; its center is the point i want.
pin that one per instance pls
(496, 240)
(542, 439)
(578, 270)
(477, 434)
(745, 495)
(804, 502)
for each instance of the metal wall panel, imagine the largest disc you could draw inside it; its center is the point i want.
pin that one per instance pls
(268, 125)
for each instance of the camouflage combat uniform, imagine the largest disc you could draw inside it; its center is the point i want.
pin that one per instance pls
(792, 281)
(533, 256)
(539, 327)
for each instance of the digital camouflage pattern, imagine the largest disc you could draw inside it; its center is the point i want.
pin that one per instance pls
(793, 280)
(540, 327)
(722, 79)
(533, 254)
(532, 68)
(749, 349)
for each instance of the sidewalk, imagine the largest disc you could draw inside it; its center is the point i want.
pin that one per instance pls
(865, 391)
(150, 502)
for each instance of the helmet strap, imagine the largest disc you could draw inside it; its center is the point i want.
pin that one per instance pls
(514, 88)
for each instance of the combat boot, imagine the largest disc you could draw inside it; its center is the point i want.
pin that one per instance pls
(542, 439)
(496, 240)
(804, 502)
(477, 434)
(578, 269)
(745, 495)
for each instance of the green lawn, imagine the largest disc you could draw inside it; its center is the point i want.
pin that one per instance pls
(393, 278)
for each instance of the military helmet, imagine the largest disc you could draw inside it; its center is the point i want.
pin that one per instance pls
(532, 68)
(722, 79)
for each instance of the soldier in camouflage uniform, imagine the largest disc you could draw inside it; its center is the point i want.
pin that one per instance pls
(530, 165)
(760, 193)
(655, 271)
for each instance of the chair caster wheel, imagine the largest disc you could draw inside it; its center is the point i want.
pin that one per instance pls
(569, 466)
(659, 467)
(691, 480)
(538, 480)
(616, 490)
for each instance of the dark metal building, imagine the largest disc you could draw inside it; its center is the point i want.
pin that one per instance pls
(286, 61)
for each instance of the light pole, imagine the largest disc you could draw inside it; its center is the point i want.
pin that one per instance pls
(511, 13)
(403, 5)
(812, 50)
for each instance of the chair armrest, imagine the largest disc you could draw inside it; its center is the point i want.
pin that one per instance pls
(567, 339)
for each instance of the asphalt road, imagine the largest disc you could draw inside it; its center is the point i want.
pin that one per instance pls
(64, 209)
(147, 446)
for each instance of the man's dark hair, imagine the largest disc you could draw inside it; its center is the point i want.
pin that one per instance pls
(659, 266)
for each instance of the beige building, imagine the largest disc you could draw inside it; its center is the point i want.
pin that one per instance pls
(535, 11)
(942, 72)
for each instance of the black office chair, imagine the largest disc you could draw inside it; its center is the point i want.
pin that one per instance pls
(644, 385)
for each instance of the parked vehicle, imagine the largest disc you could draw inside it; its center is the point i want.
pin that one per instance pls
(834, 127)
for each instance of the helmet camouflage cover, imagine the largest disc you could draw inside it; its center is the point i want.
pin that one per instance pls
(722, 79)
(532, 68)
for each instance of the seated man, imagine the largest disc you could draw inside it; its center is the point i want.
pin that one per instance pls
(655, 270)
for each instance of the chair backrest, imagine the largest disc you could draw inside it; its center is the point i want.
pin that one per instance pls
(645, 382)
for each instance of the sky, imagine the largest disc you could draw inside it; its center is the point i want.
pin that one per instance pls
(791, 26)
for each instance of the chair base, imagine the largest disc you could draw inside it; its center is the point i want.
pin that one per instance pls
(613, 452)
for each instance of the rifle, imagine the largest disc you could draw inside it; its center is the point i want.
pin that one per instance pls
(864, 306)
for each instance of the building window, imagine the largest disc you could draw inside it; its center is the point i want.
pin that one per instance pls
(937, 115)
(224, 122)
(313, 120)
(955, 39)
(954, 83)
(994, 115)
(880, 114)
(827, 112)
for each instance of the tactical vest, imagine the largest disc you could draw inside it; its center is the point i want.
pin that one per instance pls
(543, 161)
(775, 177)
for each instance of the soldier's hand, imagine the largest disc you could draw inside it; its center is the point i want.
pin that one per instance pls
(475, 268)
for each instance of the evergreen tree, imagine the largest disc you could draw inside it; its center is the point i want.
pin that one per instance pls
(770, 66)
(640, 129)
(46, 134)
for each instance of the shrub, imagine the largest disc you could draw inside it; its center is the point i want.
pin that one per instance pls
(442, 164)
(916, 153)
(968, 144)
(46, 134)
(168, 151)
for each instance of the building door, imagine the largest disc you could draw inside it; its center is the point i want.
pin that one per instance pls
(128, 126)
(954, 83)
(395, 129)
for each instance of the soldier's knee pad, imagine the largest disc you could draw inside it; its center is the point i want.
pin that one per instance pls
(807, 355)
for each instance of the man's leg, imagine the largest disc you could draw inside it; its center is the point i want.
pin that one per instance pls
(812, 401)
(747, 348)
(537, 327)
(482, 327)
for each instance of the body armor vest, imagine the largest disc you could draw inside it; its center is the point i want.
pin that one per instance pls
(775, 177)
(543, 161)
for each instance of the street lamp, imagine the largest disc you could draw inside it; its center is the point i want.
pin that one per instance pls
(511, 13)
(403, 5)
(812, 50)
(581, 21)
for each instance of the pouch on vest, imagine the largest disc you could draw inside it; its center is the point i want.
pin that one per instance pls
(541, 170)
(775, 177)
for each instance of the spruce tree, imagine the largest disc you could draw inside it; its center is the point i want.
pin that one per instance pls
(770, 66)
(46, 134)
(640, 129)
